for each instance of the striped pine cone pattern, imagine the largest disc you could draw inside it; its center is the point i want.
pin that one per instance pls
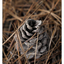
(25, 32)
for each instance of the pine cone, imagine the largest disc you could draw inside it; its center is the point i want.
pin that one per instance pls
(26, 31)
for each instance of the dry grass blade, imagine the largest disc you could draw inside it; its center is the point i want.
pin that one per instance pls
(11, 44)
(22, 47)
(18, 54)
(7, 32)
(52, 36)
(36, 49)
